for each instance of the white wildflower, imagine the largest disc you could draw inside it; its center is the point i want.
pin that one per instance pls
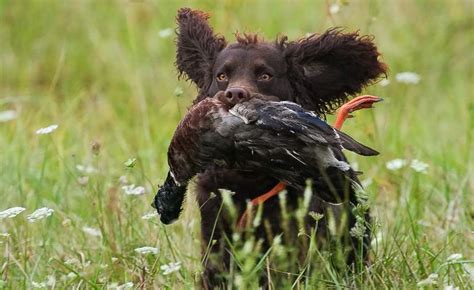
(46, 130)
(114, 259)
(316, 216)
(384, 82)
(9, 115)
(123, 180)
(50, 280)
(71, 275)
(133, 190)
(248, 247)
(150, 215)
(334, 8)
(236, 236)
(11, 212)
(83, 180)
(377, 240)
(116, 286)
(431, 280)
(454, 257)
(170, 268)
(38, 285)
(395, 164)
(86, 168)
(128, 285)
(39, 214)
(450, 287)
(4, 235)
(469, 271)
(408, 78)
(419, 166)
(164, 33)
(147, 250)
(72, 261)
(239, 281)
(66, 222)
(92, 231)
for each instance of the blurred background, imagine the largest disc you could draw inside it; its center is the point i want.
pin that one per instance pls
(103, 71)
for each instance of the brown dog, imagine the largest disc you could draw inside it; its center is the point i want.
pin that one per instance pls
(318, 72)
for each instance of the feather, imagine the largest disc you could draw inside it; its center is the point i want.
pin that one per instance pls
(352, 145)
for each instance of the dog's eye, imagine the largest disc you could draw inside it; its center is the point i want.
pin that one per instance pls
(264, 77)
(221, 77)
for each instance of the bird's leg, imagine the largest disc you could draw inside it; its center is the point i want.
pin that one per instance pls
(360, 102)
(261, 199)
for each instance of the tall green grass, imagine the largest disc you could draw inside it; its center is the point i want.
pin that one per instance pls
(104, 72)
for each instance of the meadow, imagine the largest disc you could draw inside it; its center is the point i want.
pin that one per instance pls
(103, 72)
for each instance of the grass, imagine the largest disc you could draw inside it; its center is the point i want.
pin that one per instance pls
(102, 72)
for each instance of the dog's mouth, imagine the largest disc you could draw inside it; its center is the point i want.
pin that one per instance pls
(226, 98)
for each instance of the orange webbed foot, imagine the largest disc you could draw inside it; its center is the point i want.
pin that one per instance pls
(358, 103)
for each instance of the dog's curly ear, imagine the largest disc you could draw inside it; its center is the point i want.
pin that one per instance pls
(197, 46)
(326, 69)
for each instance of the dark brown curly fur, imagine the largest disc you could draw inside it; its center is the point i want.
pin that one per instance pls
(197, 47)
(320, 72)
(326, 69)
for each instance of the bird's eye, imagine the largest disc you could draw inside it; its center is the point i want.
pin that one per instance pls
(221, 77)
(265, 77)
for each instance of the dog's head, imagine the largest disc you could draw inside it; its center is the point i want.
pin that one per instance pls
(319, 71)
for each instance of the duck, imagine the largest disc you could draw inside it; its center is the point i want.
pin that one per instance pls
(259, 133)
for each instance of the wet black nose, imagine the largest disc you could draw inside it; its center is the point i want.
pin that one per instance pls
(237, 95)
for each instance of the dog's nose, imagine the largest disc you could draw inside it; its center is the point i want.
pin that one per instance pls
(237, 95)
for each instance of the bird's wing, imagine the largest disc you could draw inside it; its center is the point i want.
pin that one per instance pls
(272, 141)
(291, 119)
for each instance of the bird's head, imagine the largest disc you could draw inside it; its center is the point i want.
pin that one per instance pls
(169, 200)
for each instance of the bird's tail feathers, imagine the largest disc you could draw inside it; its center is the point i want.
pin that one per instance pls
(352, 145)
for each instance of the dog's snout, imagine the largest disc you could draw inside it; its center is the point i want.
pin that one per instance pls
(236, 95)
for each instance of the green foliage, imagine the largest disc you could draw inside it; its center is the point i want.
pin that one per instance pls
(104, 72)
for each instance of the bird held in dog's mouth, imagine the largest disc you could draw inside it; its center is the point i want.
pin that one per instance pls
(258, 134)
